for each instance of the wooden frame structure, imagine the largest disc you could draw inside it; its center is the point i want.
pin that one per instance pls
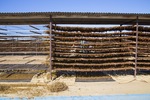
(134, 42)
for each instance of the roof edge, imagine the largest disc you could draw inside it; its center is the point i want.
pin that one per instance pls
(106, 13)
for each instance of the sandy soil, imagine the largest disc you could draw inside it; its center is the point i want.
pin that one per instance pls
(122, 85)
(22, 59)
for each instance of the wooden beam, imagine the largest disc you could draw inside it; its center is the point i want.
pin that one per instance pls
(34, 27)
(3, 33)
(3, 29)
(35, 32)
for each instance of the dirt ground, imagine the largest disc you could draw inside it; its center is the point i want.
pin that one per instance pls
(121, 85)
(22, 59)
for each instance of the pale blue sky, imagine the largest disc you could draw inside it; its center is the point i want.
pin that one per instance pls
(116, 6)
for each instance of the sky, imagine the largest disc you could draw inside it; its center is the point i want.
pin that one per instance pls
(110, 6)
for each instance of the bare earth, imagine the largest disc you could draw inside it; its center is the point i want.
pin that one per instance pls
(22, 59)
(122, 85)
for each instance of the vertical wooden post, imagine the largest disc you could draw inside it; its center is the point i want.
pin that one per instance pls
(136, 49)
(36, 45)
(12, 45)
(120, 34)
(50, 47)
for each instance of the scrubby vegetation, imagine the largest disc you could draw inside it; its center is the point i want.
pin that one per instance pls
(4, 88)
(58, 87)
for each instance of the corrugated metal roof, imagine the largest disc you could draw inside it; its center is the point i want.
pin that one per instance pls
(72, 18)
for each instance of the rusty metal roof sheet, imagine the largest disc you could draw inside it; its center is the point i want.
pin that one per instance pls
(73, 18)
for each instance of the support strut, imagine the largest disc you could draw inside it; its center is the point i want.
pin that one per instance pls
(50, 47)
(136, 49)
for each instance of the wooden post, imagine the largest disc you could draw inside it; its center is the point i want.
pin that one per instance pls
(120, 34)
(12, 45)
(50, 47)
(136, 49)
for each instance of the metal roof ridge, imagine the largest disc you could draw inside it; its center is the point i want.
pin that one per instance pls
(119, 13)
